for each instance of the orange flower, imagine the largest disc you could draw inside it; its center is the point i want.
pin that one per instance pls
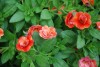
(34, 28)
(24, 43)
(68, 19)
(87, 62)
(1, 32)
(59, 12)
(98, 25)
(82, 20)
(88, 2)
(47, 32)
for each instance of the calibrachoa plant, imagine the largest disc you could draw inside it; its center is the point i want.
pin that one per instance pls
(49, 33)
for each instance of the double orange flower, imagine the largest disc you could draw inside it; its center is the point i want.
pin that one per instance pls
(81, 20)
(26, 42)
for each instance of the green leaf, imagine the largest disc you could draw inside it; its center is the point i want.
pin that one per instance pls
(42, 60)
(93, 52)
(45, 14)
(80, 42)
(37, 38)
(94, 13)
(28, 3)
(50, 23)
(4, 25)
(47, 45)
(68, 35)
(5, 57)
(60, 63)
(32, 65)
(56, 3)
(85, 52)
(24, 64)
(27, 18)
(65, 53)
(8, 55)
(19, 26)
(18, 16)
(37, 9)
(75, 64)
(34, 20)
(62, 55)
(95, 33)
(3, 39)
(20, 6)
(9, 10)
(9, 35)
(57, 22)
(96, 44)
(47, 22)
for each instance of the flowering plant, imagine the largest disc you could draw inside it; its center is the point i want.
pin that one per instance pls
(49, 33)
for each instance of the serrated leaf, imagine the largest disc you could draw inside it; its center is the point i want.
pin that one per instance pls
(18, 16)
(45, 14)
(80, 42)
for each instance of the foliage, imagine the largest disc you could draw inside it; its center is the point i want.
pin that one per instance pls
(65, 50)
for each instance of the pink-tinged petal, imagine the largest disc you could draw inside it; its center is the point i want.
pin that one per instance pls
(47, 32)
(24, 43)
(87, 62)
